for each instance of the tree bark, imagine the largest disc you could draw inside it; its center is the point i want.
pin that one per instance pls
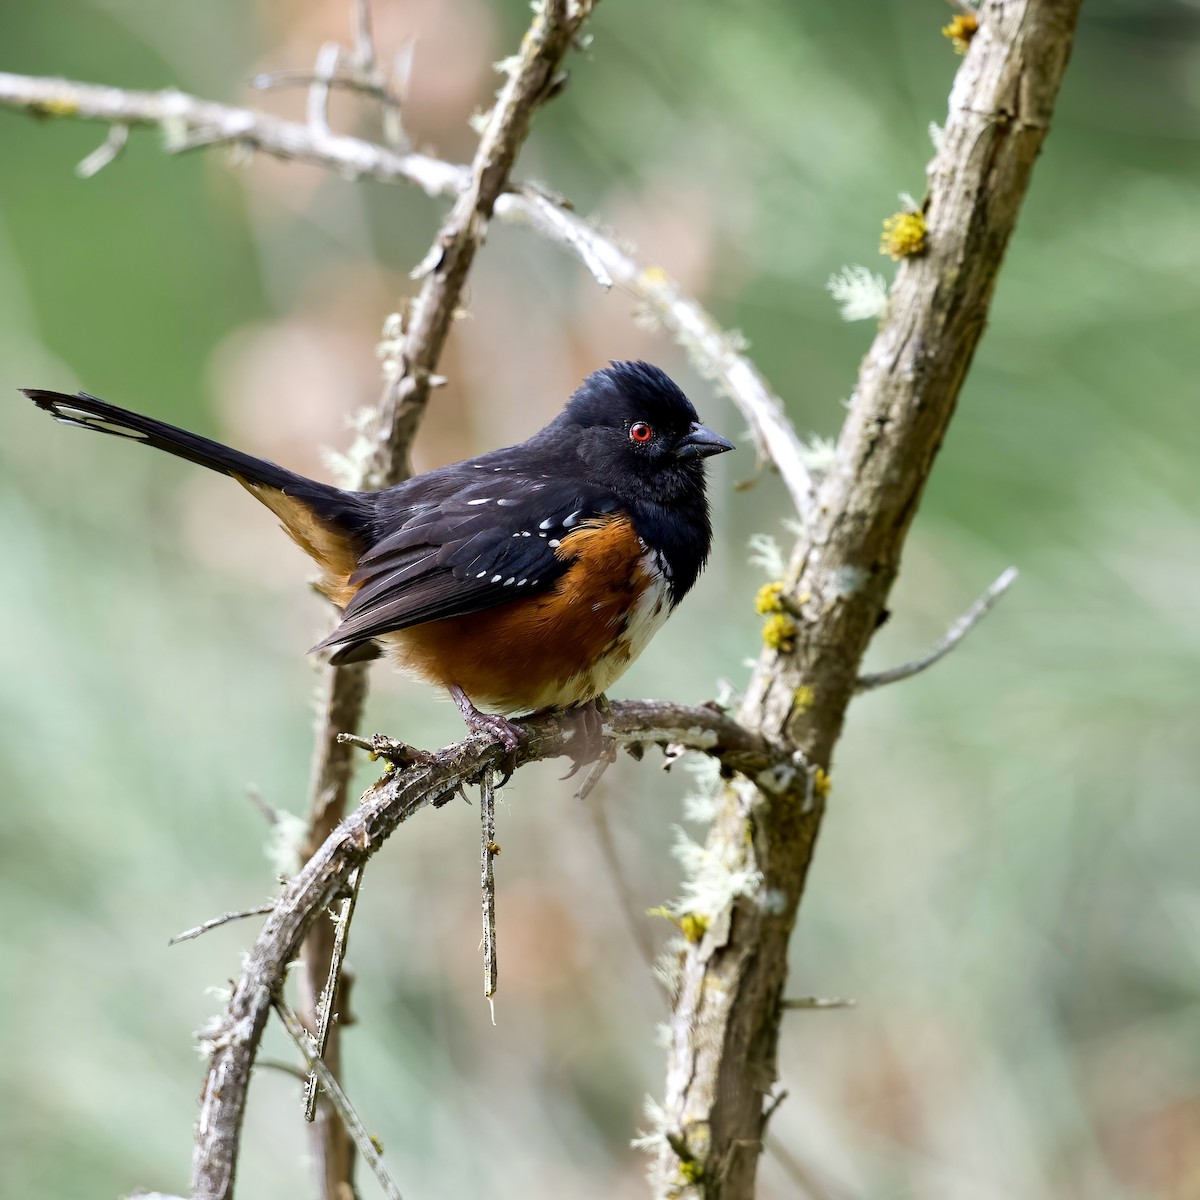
(726, 1014)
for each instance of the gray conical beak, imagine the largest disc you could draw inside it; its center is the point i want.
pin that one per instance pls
(701, 442)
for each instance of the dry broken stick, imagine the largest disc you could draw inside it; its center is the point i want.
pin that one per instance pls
(224, 919)
(326, 1011)
(954, 635)
(367, 1145)
(488, 849)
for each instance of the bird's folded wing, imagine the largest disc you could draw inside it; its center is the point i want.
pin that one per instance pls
(489, 543)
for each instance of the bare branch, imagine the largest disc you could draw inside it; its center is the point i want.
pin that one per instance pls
(954, 635)
(216, 922)
(338, 1098)
(331, 996)
(395, 798)
(324, 72)
(634, 916)
(488, 849)
(387, 459)
(816, 1002)
(190, 122)
(725, 1023)
(105, 153)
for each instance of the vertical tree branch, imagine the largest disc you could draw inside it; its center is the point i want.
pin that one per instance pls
(725, 1023)
(532, 78)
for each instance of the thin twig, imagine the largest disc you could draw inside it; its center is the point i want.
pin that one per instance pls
(616, 873)
(216, 922)
(816, 1002)
(105, 153)
(324, 72)
(813, 1187)
(330, 996)
(488, 849)
(333, 1090)
(954, 635)
(284, 1068)
(364, 38)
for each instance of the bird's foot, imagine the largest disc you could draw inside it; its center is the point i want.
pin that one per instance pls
(507, 733)
(589, 745)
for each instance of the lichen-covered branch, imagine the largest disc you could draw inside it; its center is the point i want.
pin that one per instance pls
(726, 1015)
(233, 1043)
(531, 79)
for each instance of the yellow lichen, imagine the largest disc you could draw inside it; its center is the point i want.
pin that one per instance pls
(661, 910)
(655, 276)
(55, 106)
(960, 31)
(803, 698)
(769, 599)
(821, 782)
(691, 1171)
(779, 632)
(903, 235)
(693, 925)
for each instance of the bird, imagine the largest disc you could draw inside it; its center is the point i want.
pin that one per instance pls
(523, 580)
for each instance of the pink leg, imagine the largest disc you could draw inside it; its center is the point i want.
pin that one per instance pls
(507, 732)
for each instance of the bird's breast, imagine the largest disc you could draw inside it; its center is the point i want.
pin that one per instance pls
(561, 647)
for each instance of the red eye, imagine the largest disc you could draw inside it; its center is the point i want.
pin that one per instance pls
(640, 432)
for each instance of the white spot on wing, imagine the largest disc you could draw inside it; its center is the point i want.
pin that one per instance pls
(77, 416)
(483, 501)
(547, 523)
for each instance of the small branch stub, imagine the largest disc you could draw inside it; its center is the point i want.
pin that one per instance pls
(488, 849)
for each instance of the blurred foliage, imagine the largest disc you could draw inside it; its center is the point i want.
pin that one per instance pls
(1008, 880)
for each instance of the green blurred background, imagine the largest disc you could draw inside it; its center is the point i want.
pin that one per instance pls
(1009, 879)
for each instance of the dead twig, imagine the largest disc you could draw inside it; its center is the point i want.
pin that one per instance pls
(954, 635)
(488, 849)
(105, 153)
(216, 922)
(366, 1144)
(332, 993)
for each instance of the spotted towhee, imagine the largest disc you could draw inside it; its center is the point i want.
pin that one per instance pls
(527, 578)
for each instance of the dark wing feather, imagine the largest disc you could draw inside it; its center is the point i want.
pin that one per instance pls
(489, 541)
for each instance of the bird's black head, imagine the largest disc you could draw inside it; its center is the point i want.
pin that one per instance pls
(638, 434)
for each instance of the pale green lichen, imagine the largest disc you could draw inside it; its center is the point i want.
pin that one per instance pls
(859, 293)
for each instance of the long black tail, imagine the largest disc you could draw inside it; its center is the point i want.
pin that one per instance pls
(87, 412)
(350, 512)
